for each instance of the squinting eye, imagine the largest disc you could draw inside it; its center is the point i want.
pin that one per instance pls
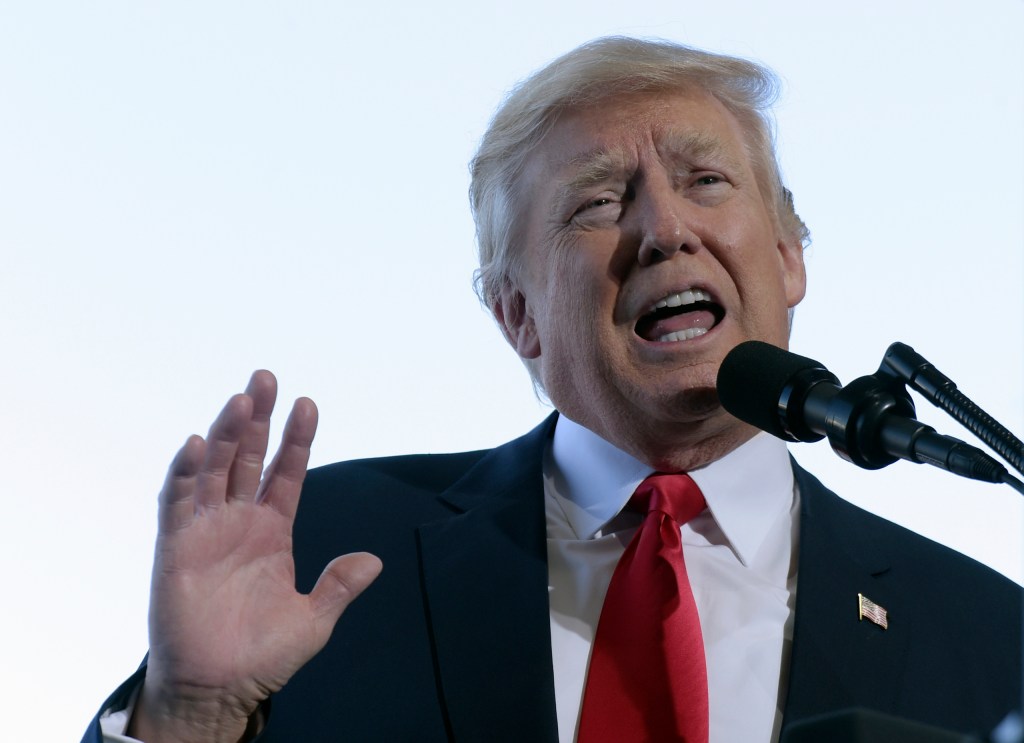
(708, 180)
(594, 204)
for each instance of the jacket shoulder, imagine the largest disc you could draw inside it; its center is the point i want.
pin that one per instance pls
(876, 542)
(422, 471)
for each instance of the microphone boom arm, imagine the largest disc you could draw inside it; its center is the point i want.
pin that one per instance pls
(903, 363)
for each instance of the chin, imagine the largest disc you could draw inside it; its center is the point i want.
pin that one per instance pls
(691, 404)
(696, 402)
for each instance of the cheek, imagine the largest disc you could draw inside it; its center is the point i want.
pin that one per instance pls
(772, 311)
(578, 326)
(761, 288)
(582, 282)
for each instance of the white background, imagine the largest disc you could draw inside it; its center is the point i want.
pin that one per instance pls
(192, 190)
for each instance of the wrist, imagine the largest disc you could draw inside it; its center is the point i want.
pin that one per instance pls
(192, 715)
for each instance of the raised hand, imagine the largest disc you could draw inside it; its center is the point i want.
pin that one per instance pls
(226, 626)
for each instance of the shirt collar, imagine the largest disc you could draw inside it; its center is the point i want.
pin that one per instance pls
(746, 490)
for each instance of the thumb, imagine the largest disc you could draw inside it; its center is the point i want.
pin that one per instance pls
(342, 581)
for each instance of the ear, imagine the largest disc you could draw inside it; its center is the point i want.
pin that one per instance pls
(516, 322)
(794, 274)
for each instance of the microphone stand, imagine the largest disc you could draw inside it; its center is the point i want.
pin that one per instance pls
(903, 365)
(870, 422)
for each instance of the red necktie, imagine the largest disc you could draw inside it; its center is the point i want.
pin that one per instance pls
(647, 679)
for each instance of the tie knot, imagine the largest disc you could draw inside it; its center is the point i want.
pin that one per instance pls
(676, 495)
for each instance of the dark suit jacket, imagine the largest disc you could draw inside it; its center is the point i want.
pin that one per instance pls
(452, 641)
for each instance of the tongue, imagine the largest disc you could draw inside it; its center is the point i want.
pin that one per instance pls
(651, 329)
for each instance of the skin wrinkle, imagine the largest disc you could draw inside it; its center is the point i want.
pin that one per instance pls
(685, 153)
(589, 276)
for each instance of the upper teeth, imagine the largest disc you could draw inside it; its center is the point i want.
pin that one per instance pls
(678, 300)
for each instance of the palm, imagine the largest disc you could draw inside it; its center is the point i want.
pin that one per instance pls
(227, 595)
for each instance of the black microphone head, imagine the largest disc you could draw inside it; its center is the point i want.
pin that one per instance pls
(756, 382)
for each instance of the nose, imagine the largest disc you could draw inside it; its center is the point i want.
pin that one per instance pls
(664, 226)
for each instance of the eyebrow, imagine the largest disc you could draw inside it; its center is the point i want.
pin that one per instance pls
(598, 165)
(588, 169)
(697, 146)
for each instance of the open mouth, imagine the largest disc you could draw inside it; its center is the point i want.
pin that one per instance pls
(681, 316)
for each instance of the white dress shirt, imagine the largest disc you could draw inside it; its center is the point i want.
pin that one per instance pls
(740, 558)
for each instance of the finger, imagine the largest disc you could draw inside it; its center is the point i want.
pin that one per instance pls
(247, 468)
(282, 481)
(340, 584)
(177, 506)
(221, 445)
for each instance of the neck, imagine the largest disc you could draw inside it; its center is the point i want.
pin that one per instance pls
(669, 446)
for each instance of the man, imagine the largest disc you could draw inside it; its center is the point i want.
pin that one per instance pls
(633, 229)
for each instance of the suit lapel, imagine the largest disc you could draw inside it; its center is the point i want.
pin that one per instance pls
(485, 579)
(484, 572)
(837, 659)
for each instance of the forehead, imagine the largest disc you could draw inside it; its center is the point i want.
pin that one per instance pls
(616, 130)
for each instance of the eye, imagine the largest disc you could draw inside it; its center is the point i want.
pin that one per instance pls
(596, 203)
(707, 180)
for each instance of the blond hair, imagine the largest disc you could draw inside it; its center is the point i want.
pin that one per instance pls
(599, 70)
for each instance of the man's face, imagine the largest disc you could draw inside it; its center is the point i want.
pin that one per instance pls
(649, 253)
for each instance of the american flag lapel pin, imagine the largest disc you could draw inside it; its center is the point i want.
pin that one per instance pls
(868, 609)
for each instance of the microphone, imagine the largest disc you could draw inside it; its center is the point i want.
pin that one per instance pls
(870, 422)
